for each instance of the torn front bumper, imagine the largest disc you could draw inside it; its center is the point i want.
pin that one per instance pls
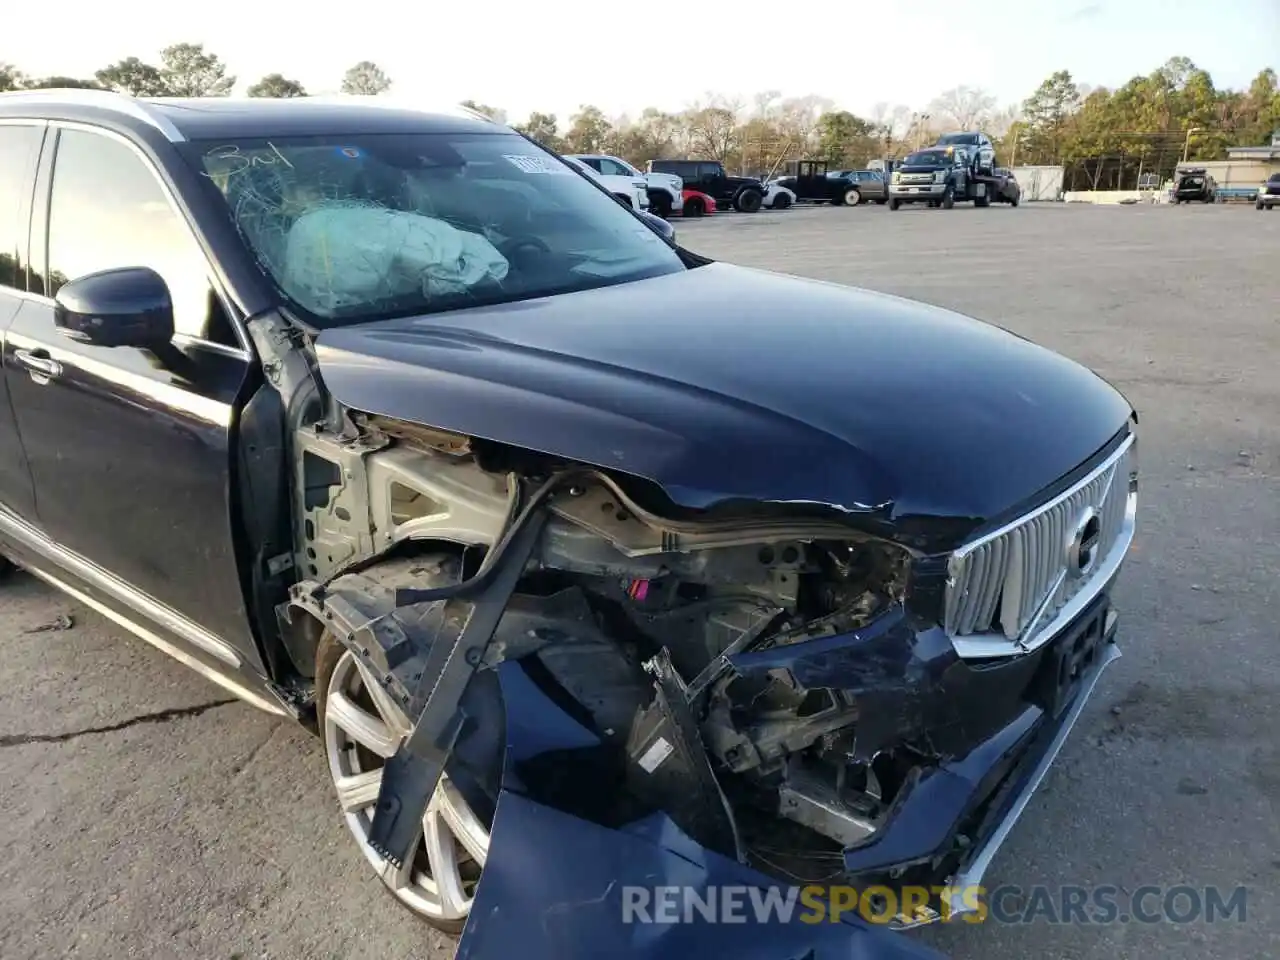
(556, 886)
(562, 861)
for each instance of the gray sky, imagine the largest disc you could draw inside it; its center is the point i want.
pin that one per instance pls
(554, 56)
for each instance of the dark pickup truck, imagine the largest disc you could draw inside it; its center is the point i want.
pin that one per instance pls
(744, 194)
(941, 176)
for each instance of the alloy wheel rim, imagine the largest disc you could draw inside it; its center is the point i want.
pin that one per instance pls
(363, 727)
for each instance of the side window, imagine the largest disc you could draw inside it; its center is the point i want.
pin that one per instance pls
(613, 168)
(108, 211)
(591, 162)
(709, 171)
(18, 147)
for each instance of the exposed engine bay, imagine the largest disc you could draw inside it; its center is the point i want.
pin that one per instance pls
(635, 618)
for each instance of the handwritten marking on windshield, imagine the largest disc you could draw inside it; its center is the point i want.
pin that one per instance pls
(239, 162)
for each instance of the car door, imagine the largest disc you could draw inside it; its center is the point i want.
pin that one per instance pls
(130, 449)
(20, 144)
(712, 181)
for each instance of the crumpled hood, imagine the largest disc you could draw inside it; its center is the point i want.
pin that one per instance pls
(728, 384)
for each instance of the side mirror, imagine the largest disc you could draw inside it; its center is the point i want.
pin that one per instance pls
(129, 307)
(659, 226)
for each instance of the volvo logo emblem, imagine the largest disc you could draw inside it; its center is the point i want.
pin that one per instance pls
(1083, 543)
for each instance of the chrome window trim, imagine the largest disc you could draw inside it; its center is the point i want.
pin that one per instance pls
(106, 99)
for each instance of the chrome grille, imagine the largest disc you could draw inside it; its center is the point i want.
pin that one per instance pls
(1010, 586)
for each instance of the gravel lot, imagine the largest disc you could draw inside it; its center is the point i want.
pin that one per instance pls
(144, 815)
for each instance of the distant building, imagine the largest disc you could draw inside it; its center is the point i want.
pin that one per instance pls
(1248, 166)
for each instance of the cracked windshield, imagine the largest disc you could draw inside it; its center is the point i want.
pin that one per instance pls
(385, 225)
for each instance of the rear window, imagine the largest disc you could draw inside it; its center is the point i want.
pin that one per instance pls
(958, 138)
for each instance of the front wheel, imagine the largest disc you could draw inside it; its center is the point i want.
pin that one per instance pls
(660, 203)
(1013, 202)
(894, 204)
(748, 201)
(362, 727)
(694, 207)
(852, 198)
(781, 202)
(948, 197)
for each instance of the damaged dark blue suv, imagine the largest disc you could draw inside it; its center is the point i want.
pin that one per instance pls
(592, 562)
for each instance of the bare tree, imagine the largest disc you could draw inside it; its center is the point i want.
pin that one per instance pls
(1001, 121)
(900, 120)
(966, 107)
(713, 129)
(764, 104)
(798, 118)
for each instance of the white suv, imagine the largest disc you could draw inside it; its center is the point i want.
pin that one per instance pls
(665, 191)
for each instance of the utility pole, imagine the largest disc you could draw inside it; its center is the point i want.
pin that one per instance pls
(1186, 144)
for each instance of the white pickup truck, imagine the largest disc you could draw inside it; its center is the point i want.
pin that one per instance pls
(665, 191)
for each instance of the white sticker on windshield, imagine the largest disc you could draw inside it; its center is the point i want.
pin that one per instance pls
(531, 164)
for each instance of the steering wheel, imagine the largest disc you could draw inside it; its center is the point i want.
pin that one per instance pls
(510, 247)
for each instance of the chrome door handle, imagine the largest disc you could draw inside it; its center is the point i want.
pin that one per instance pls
(39, 364)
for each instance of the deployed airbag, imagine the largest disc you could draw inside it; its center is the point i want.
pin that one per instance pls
(340, 256)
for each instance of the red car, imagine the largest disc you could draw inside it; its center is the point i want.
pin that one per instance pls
(697, 203)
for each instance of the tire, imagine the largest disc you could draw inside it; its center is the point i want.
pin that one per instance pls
(1013, 202)
(780, 202)
(852, 197)
(624, 200)
(985, 199)
(882, 201)
(694, 207)
(460, 824)
(660, 203)
(748, 201)
(948, 197)
(7, 567)
(1258, 205)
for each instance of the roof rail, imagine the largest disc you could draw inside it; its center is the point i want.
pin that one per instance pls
(106, 99)
(394, 102)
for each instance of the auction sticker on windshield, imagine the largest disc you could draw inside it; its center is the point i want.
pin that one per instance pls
(532, 164)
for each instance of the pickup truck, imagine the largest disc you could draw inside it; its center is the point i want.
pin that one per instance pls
(665, 191)
(940, 176)
(744, 194)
